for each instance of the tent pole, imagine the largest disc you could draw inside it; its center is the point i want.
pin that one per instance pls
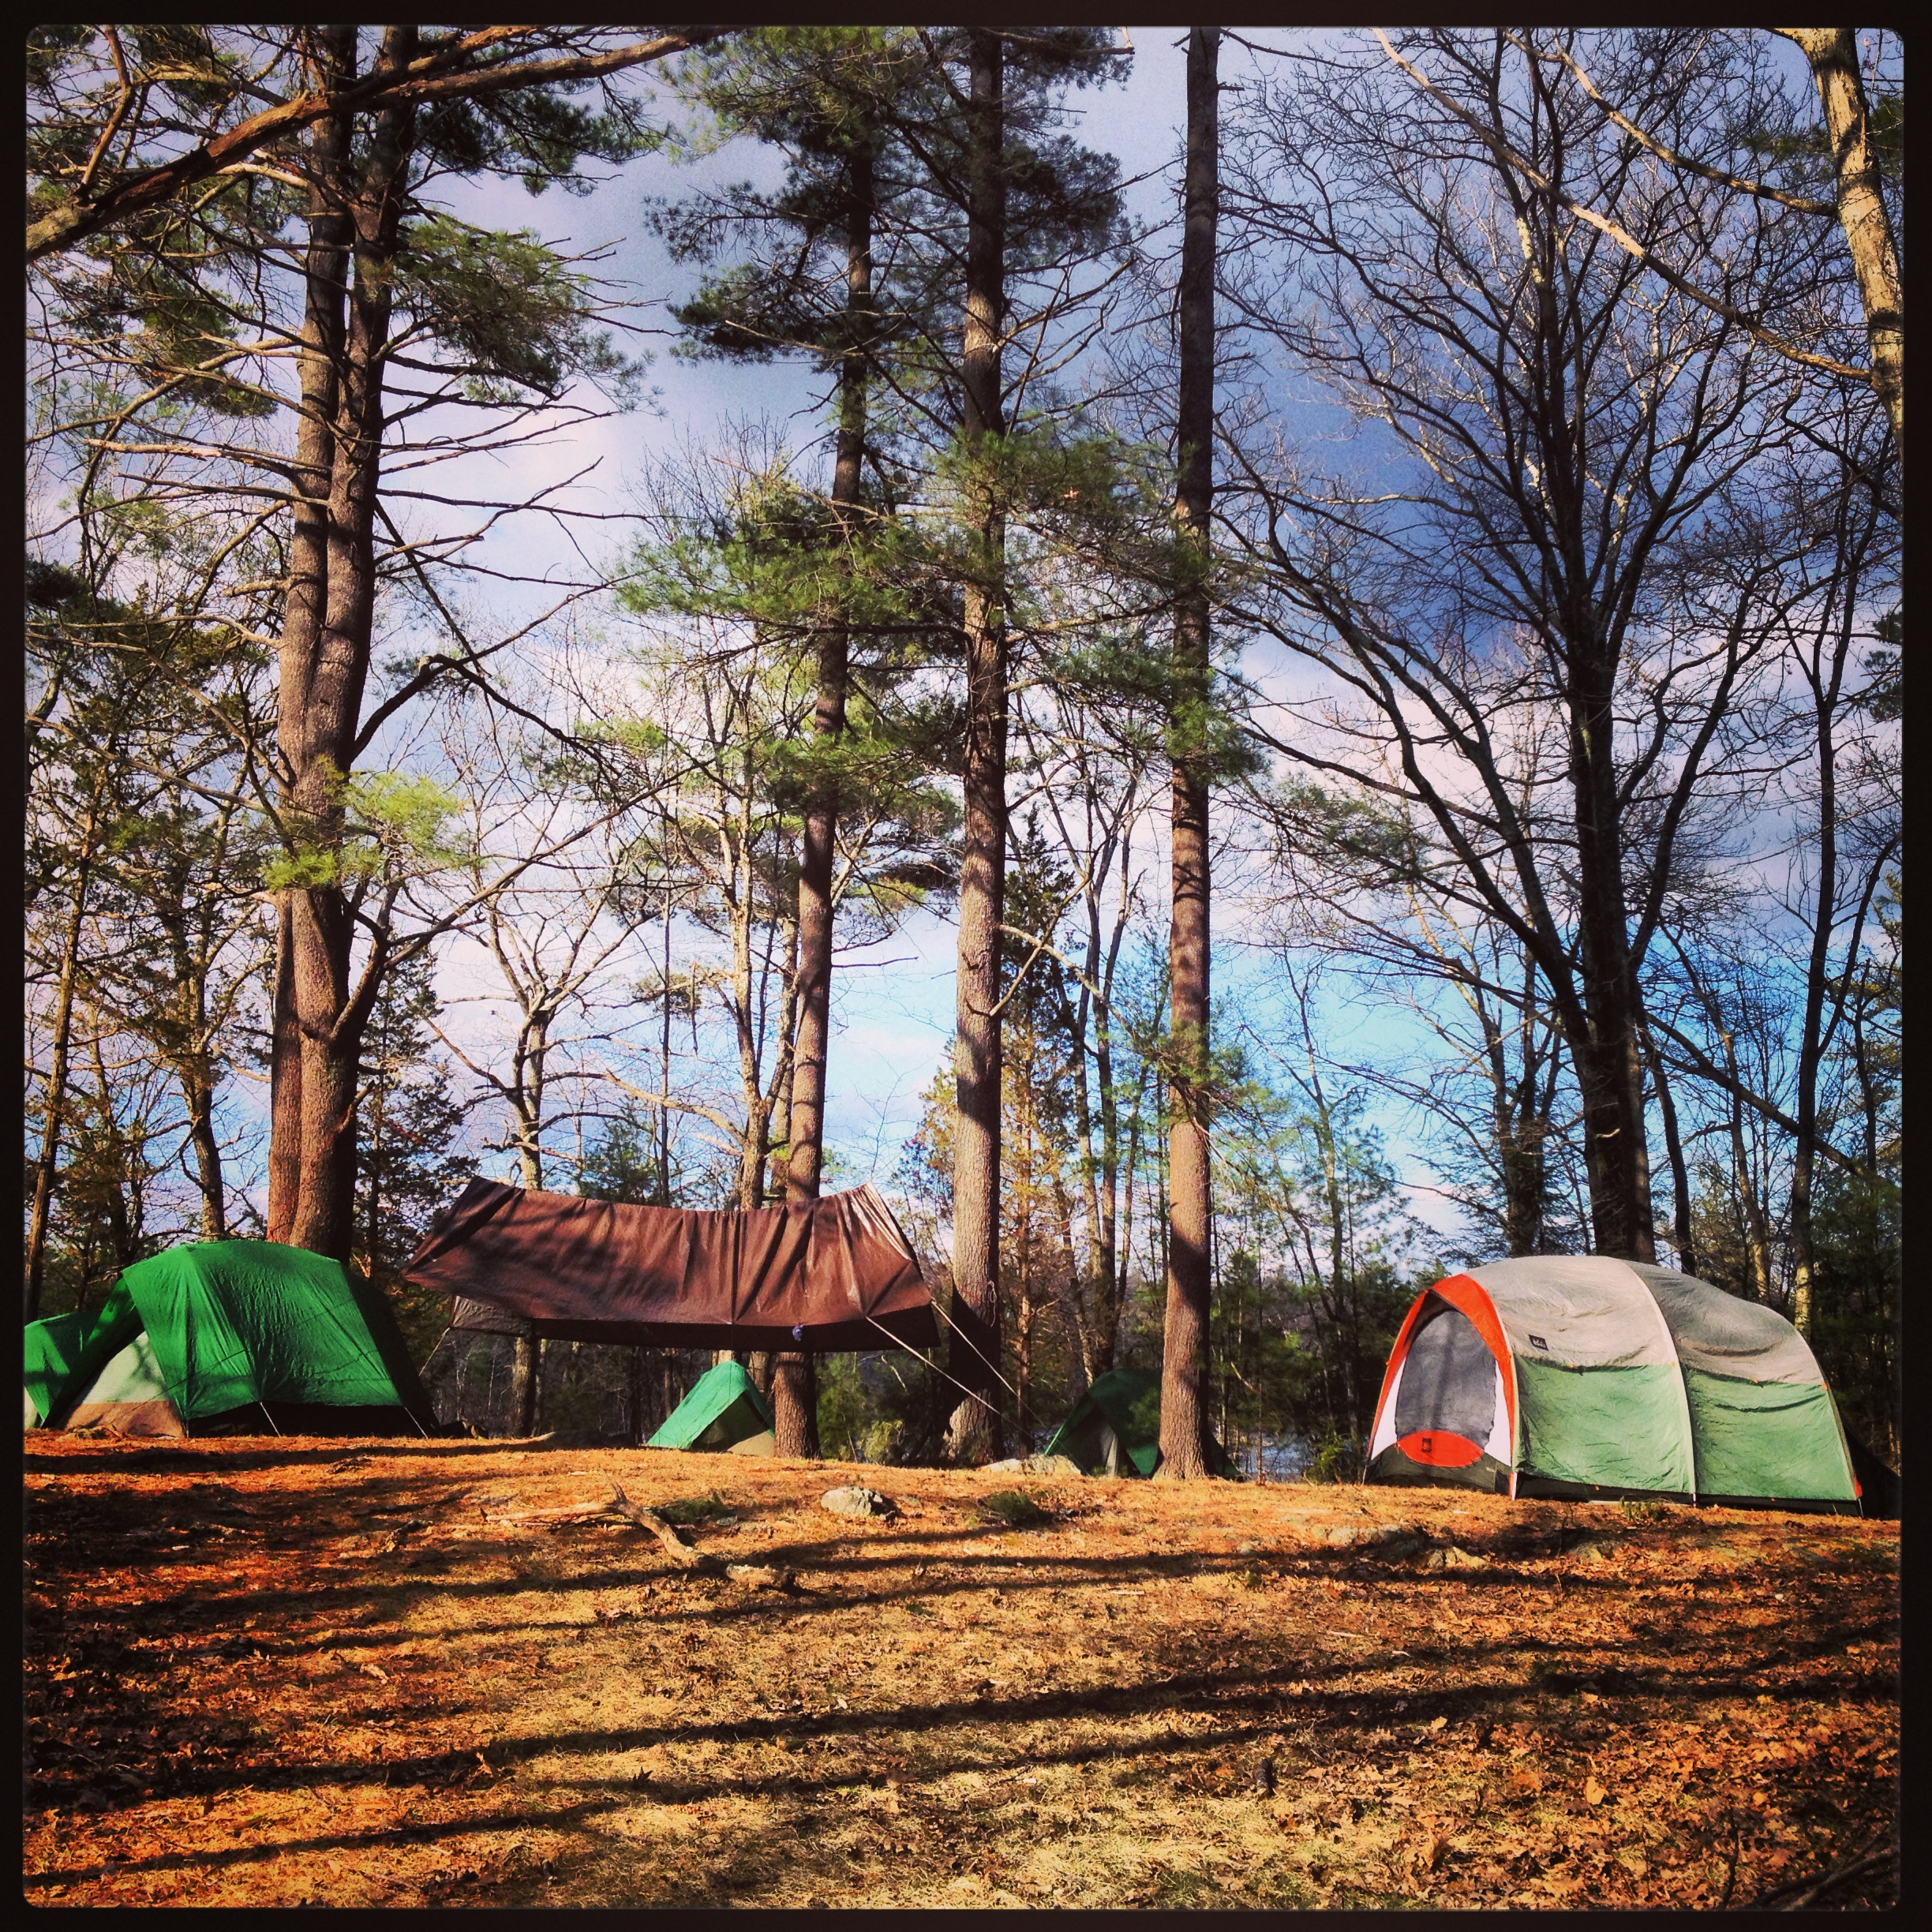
(266, 1417)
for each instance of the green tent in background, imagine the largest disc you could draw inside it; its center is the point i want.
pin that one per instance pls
(227, 1336)
(723, 1411)
(1114, 1428)
(53, 1350)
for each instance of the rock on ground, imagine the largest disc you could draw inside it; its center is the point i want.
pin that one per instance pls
(857, 1504)
(1035, 1466)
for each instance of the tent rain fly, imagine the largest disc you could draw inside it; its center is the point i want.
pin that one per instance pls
(823, 1276)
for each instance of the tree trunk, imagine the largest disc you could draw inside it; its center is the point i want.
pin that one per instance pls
(778, 1110)
(974, 1434)
(1833, 52)
(1607, 1060)
(285, 1132)
(1520, 1110)
(1684, 1237)
(198, 1093)
(1109, 1261)
(529, 1099)
(1523, 1156)
(794, 1381)
(124, 1227)
(319, 364)
(330, 1052)
(1077, 1306)
(795, 1405)
(46, 1164)
(640, 1372)
(1025, 1315)
(320, 700)
(193, 1062)
(1183, 1428)
(660, 1191)
(819, 847)
(1099, 1305)
(526, 1378)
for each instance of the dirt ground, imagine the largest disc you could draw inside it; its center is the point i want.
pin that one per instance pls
(289, 1671)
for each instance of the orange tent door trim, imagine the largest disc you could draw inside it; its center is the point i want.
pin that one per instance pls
(1466, 1297)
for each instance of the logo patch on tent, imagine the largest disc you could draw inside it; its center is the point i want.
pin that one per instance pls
(1537, 1341)
(1439, 1449)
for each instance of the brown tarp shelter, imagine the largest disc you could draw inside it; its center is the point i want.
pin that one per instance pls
(825, 1276)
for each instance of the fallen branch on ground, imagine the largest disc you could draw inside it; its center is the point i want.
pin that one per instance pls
(679, 1551)
(621, 1507)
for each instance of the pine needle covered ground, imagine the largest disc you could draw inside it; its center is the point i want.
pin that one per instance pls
(272, 1672)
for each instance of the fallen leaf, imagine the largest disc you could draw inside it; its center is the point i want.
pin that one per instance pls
(1593, 1793)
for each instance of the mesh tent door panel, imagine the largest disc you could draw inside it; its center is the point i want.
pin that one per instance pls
(1448, 1383)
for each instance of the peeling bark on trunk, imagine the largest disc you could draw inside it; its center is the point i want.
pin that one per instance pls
(973, 1435)
(1184, 1426)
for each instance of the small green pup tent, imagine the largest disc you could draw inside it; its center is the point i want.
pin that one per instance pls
(723, 1411)
(1114, 1428)
(1580, 1375)
(223, 1336)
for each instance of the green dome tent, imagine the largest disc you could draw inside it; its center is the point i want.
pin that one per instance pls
(1114, 1428)
(222, 1336)
(1581, 1376)
(723, 1411)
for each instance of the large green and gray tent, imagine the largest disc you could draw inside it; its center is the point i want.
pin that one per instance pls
(1114, 1428)
(724, 1410)
(1580, 1375)
(227, 1336)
